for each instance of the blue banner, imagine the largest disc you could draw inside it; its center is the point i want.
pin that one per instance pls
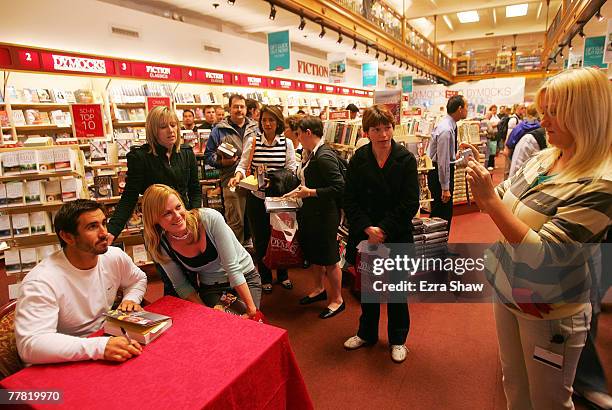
(279, 51)
(594, 52)
(369, 74)
(407, 84)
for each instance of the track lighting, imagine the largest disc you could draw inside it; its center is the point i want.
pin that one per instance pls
(581, 32)
(393, 63)
(231, 2)
(322, 33)
(377, 54)
(302, 23)
(354, 43)
(339, 37)
(272, 11)
(599, 16)
(367, 49)
(386, 57)
(569, 46)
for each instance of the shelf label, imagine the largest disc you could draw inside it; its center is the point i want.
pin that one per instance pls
(282, 84)
(213, 77)
(253, 81)
(329, 89)
(28, 59)
(153, 102)
(87, 120)
(345, 91)
(310, 87)
(340, 115)
(156, 72)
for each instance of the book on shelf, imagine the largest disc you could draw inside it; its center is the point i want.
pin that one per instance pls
(4, 119)
(12, 261)
(135, 221)
(28, 258)
(119, 182)
(64, 159)
(10, 163)
(46, 250)
(97, 152)
(58, 96)
(140, 255)
(27, 162)
(14, 193)
(5, 227)
(60, 118)
(34, 192)
(71, 188)
(3, 201)
(19, 118)
(142, 334)
(21, 224)
(28, 95)
(70, 97)
(43, 95)
(103, 186)
(40, 223)
(45, 160)
(53, 190)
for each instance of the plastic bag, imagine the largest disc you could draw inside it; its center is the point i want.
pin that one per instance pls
(284, 250)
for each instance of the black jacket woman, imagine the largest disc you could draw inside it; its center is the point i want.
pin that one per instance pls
(321, 190)
(380, 199)
(162, 160)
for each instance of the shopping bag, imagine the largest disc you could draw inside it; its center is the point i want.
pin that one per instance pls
(365, 267)
(283, 248)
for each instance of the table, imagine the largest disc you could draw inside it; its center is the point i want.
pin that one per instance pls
(207, 359)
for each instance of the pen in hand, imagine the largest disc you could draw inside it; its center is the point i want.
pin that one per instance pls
(129, 339)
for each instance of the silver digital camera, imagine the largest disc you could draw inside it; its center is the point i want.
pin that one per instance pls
(463, 157)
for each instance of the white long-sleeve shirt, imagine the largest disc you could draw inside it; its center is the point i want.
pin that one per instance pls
(60, 305)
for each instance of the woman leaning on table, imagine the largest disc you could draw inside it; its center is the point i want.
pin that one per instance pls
(381, 197)
(275, 151)
(162, 160)
(321, 189)
(561, 196)
(198, 251)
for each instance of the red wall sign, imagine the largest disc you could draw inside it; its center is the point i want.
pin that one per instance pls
(28, 59)
(253, 81)
(156, 72)
(310, 87)
(76, 64)
(213, 77)
(329, 89)
(87, 120)
(188, 74)
(282, 84)
(5, 57)
(153, 102)
(124, 68)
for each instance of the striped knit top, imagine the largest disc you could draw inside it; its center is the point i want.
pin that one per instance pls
(279, 154)
(553, 259)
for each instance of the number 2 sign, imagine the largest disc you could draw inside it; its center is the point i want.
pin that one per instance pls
(87, 120)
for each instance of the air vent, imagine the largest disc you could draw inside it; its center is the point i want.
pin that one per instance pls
(489, 34)
(212, 49)
(125, 32)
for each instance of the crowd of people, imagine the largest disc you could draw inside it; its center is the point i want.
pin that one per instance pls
(559, 195)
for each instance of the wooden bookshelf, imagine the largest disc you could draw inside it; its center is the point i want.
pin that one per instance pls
(39, 175)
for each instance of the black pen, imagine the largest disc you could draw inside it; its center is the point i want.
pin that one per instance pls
(126, 334)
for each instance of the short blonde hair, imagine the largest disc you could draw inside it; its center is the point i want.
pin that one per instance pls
(158, 117)
(153, 205)
(581, 101)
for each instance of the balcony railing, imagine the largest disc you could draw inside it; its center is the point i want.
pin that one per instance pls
(502, 63)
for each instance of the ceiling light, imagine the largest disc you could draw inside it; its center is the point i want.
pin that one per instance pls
(393, 60)
(322, 33)
(581, 32)
(599, 16)
(231, 2)
(517, 10)
(448, 22)
(377, 54)
(272, 11)
(302, 23)
(468, 16)
(386, 57)
(339, 37)
(367, 49)
(354, 43)
(569, 46)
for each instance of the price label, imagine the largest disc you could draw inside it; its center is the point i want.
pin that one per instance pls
(87, 120)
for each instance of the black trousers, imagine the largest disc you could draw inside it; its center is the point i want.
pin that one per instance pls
(398, 322)
(259, 222)
(438, 208)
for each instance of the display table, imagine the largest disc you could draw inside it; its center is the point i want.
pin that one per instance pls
(207, 359)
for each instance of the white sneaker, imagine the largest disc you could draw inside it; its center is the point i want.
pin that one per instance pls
(398, 353)
(354, 342)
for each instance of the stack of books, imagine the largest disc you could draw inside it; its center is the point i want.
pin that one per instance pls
(430, 236)
(143, 326)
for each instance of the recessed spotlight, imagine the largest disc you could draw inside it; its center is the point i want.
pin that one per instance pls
(272, 11)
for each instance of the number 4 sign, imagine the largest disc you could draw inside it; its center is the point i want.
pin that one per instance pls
(87, 120)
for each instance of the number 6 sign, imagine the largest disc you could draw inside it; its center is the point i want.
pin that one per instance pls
(87, 120)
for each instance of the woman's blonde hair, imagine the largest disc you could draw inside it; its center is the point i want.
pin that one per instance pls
(159, 117)
(153, 206)
(581, 102)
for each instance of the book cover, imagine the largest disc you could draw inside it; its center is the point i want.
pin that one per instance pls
(14, 193)
(63, 159)
(97, 151)
(142, 318)
(27, 162)
(32, 117)
(123, 147)
(4, 119)
(58, 96)
(28, 258)
(45, 160)
(227, 149)
(103, 186)
(43, 95)
(29, 95)
(21, 225)
(135, 221)
(34, 192)
(10, 163)
(12, 261)
(5, 227)
(70, 189)
(120, 181)
(142, 334)
(60, 118)
(278, 204)
(11, 94)
(3, 200)
(250, 183)
(53, 190)
(139, 254)
(40, 223)
(70, 97)
(19, 118)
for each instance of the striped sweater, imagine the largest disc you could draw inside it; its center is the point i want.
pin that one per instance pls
(553, 259)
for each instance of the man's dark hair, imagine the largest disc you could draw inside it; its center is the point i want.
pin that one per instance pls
(352, 108)
(188, 110)
(312, 123)
(235, 96)
(208, 107)
(251, 105)
(301, 112)
(67, 218)
(454, 103)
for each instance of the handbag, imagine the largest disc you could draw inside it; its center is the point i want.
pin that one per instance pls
(284, 249)
(277, 182)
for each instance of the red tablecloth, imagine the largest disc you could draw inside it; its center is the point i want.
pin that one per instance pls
(207, 359)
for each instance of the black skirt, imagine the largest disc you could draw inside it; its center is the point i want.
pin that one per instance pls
(318, 234)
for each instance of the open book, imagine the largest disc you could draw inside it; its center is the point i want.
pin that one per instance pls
(142, 318)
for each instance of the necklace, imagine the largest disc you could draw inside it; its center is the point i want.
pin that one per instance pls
(180, 238)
